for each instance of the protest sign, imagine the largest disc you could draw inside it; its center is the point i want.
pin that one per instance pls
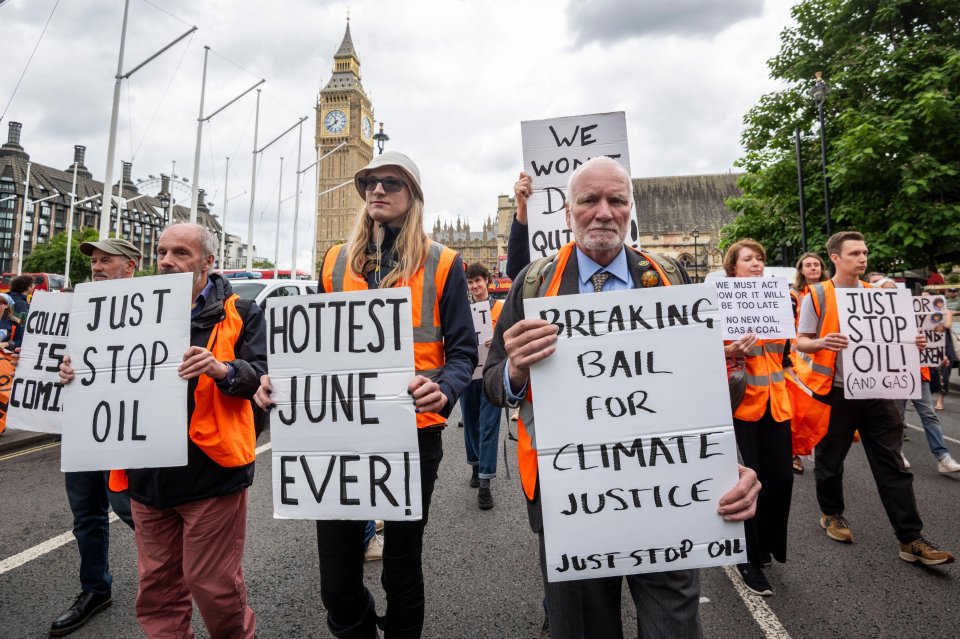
(35, 398)
(7, 368)
(621, 446)
(344, 429)
(930, 310)
(882, 360)
(758, 305)
(483, 326)
(552, 150)
(127, 404)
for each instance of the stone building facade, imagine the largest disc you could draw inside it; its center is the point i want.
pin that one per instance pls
(473, 246)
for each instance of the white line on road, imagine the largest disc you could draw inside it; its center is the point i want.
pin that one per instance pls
(762, 614)
(949, 439)
(49, 545)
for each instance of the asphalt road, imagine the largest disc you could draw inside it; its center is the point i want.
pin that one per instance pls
(481, 568)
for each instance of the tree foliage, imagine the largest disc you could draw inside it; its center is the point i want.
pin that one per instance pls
(51, 256)
(892, 123)
(261, 263)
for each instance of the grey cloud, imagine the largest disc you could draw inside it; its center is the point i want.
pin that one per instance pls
(615, 20)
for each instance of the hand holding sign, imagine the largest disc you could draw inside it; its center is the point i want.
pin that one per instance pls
(427, 396)
(528, 342)
(522, 189)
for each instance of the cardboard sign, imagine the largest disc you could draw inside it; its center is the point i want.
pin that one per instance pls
(7, 369)
(483, 325)
(127, 405)
(882, 360)
(35, 398)
(552, 150)
(344, 429)
(631, 470)
(931, 312)
(758, 305)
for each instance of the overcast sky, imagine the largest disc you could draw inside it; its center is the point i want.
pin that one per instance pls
(451, 80)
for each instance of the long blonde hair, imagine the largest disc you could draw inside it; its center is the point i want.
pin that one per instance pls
(411, 245)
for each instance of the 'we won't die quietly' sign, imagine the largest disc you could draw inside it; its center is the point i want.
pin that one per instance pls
(552, 150)
(36, 395)
(882, 359)
(631, 470)
(758, 305)
(344, 429)
(127, 405)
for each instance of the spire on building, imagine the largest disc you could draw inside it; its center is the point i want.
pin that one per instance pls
(346, 47)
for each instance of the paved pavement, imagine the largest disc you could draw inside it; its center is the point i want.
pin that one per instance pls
(481, 567)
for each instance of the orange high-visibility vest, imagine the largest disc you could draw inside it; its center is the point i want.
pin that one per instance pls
(426, 287)
(526, 447)
(221, 425)
(766, 382)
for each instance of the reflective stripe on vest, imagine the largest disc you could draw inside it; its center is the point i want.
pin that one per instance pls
(526, 431)
(426, 287)
(766, 382)
(222, 425)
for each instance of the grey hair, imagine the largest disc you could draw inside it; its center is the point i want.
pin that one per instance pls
(601, 161)
(209, 243)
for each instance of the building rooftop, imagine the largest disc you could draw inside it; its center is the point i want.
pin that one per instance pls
(683, 202)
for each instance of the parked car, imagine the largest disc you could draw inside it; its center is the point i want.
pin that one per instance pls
(260, 290)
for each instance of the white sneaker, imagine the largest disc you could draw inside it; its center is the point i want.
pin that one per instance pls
(948, 465)
(906, 464)
(378, 525)
(374, 549)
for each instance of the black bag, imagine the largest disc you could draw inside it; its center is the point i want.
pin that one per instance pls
(737, 380)
(935, 385)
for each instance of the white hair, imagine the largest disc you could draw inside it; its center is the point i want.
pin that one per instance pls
(209, 243)
(601, 161)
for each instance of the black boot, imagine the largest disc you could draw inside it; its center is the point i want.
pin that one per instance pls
(86, 605)
(475, 477)
(364, 628)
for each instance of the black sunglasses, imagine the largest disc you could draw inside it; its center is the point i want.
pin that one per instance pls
(390, 185)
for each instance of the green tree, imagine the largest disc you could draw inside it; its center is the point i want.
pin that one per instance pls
(262, 264)
(892, 124)
(51, 256)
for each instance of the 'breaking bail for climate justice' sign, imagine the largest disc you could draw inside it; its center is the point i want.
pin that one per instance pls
(36, 396)
(631, 469)
(931, 311)
(344, 430)
(882, 359)
(483, 326)
(758, 305)
(127, 405)
(552, 150)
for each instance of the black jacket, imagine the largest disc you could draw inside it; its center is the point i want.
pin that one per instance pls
(202, 477)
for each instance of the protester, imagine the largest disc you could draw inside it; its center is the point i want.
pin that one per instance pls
(87, 491)
(810, 270)
(21, 288)
(481, 419)
(9, 323)
(599, 199)
(761, 423)
(191, 520)
(924, 407)
(935, 276)
(819, 341)
(953, 306)
(389, 249)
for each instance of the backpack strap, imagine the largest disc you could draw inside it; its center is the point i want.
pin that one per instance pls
(669, 266)
(537, 273)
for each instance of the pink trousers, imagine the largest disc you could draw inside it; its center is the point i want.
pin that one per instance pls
(195, 549)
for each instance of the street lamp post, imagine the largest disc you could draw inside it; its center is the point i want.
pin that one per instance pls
(381, 139)
(819, 94)
(803, 213)
(696, 255)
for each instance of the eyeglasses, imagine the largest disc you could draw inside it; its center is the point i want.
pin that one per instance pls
(390, 185)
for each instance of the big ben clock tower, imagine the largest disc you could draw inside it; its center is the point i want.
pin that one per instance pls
(344, 114)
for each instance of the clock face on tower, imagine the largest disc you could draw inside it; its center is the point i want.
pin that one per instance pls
(335, 121)
(367, 128)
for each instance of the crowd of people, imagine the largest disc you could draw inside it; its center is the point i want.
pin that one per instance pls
(189, 522)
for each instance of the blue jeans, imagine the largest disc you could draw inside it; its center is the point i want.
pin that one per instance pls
(89, 502)
(481, 429)
(929, 419)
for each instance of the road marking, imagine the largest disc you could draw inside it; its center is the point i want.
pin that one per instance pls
(758, 608)
(29, 450)
(43, 548)
(949, 439)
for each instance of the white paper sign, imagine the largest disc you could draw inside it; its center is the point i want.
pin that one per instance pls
(758, 305)
(35, 399)
(552, 150)
(631, 470)
(127, 405)
(931, 313)
(882, 360)
(344, 429)
(483, 326)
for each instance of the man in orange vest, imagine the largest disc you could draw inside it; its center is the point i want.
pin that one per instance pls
(599, 199)
(191, 520)
(819, 366)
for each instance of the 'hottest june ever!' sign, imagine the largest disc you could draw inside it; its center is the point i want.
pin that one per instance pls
(632, 470)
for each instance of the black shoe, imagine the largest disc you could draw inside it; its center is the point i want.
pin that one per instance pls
(754, 580)
(485, 498)
(87, 604)
(475, 477)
